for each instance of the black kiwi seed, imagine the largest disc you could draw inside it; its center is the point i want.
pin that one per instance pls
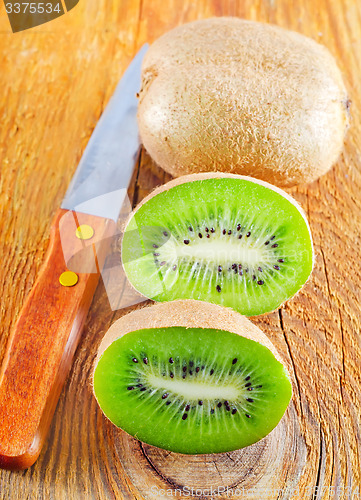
(212, 230)
(156, 254)
(130, 388)
(190, 228)
(229, 232)
(234, 411)
(165, 233)
(238, 227)
(197, 369)
(254, 277)
(275, 245)
(184, 375)
(219, 405)
(208, 236)
(163, 263)
(280, 260)
(134, 360)
(240, 272)
(219, 269)
(240, 237)
(190, 372)
(234, 361)
(212, 411)
(250, 400)
(206, 229)
(171, 374)
(186, 242)
(218, 288)
(258, 386)
(248, 416)
(248, 234)
(272, 237)
(248, 384)
(260, 282)
(184, 368)
(171, 360)
(224, 231)
(277, 268)
(200, 235)
(248, 378)
(260, 269)
(250, 389)
(187, 408)
(143, 389)
(234, 266)
(167, 402)
(267, 242)
(165, 396)
(211, 372)
(200, 403)
(191, 363)
(155, 246)
(184, 416)
(174, 267)
(145, 361)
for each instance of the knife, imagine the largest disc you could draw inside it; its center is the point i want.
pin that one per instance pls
(42, 344)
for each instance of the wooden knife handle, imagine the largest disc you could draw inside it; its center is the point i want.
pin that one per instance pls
(44, 339)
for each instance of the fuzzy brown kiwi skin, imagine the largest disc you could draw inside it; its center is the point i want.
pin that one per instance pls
(225, 94)
(189, 314)
(221, 175)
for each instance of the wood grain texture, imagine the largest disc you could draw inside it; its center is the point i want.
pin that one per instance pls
(55, 81)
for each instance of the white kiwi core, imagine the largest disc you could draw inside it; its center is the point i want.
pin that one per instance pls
(194, 390)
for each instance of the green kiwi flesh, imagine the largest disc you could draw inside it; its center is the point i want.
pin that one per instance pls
(229, 240)
(191, 390)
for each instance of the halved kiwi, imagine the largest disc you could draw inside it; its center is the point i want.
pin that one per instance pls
(190, 377)
(223, 238)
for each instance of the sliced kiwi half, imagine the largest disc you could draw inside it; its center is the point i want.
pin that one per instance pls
(190, 377)
(227, 239)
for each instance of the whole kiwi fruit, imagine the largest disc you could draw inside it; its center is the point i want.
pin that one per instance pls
(229, 95)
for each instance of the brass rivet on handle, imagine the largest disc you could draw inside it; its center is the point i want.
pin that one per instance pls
(84, 232)
(68, 278)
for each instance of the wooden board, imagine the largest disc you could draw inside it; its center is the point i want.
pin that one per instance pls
(55, 81)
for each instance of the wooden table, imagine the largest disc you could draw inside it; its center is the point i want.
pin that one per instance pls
(55, 81)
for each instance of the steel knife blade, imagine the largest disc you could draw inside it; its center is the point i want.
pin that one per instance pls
(42, 344)
(107, 162)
